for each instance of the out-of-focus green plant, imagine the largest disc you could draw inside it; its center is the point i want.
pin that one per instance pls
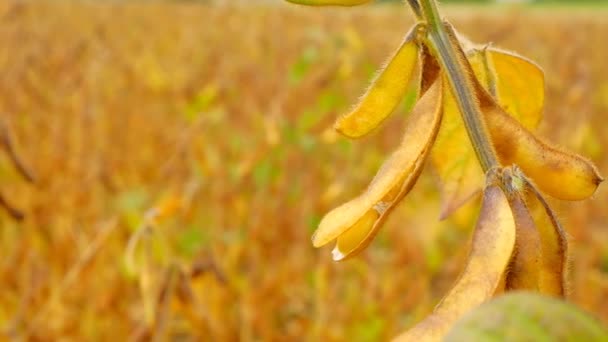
(476, 107)
(527, 316)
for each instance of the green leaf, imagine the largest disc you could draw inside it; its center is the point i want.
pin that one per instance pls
(527, 316)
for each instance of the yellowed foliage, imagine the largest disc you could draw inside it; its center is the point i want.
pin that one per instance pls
(100, 157)
(505, 75)
(516, 83)
(166, 207)
(455, 163)
(558, 173)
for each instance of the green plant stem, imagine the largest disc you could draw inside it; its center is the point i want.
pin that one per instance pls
(415, 5)
(462, 88)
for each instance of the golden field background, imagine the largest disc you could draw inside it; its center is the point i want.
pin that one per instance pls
(183, 157)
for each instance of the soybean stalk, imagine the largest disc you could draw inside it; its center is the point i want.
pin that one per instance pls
(440, 45)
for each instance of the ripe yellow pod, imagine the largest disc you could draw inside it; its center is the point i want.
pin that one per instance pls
(554, 245)
(356, 222)
(491, 250)
(560, 174)
(400, 75)
(524, 268)
(329, 2)
(517, 85)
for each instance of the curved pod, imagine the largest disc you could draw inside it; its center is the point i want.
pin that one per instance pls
(400, 75)
(356, 222)
(491, 251)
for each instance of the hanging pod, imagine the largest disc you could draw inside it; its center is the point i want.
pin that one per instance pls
(504, 75)
(558, 173)
(490, 253)
(524, 268)
(356, 222)
(400, 75)
(540, 261)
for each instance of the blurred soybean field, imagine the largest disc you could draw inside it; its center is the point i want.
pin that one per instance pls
(183, 155)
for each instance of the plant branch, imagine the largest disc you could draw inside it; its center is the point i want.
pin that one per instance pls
(15, 213)
(415, 5)
(451, 61)
(6, 141)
